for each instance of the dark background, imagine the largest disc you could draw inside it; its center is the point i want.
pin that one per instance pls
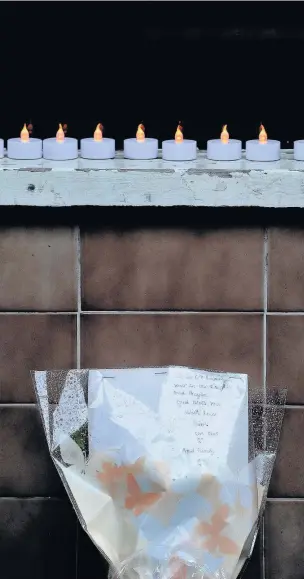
(122, 63)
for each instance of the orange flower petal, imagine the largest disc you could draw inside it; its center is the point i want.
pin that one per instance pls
(227, 546)
(145, 501)
(211, 544)
(219, 518)
(132, 484)
(136, 500)
(204, 528)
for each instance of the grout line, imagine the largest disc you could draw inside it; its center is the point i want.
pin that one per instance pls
(285, 499)
(35, 498)
(150, 312)
(265, 304)
(38, 313)
(17, 404)
(285, 313)
(76, 548)
(169, 312)
(78, 278)
(262, 549)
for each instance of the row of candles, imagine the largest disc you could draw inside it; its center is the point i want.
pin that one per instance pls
(63, 148)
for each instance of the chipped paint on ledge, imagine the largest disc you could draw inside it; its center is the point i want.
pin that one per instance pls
(121, 182)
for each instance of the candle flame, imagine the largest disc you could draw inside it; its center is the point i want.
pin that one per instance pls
(262, 135)
(60, 134)
(179, 134)
(140, 134)
(224, 135)
(98, 132)
(24, 135)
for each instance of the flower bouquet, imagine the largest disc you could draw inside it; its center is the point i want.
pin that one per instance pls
(167, 468)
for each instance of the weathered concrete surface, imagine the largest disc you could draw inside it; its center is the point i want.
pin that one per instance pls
(152, 183)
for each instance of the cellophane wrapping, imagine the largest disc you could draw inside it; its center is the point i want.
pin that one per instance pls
(167, 468)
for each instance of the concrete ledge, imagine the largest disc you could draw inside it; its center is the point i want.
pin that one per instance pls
(120, 182)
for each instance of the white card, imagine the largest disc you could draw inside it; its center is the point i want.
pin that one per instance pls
(173, 413)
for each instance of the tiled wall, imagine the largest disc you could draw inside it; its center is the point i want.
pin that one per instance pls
(215, 296)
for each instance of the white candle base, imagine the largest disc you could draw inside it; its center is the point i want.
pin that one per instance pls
(60, 150)
(298, 150)
(90, 149)
(147, 149)
(1, 148)
(219, 151)
(17, 149)
(269, 151)
(184, 151)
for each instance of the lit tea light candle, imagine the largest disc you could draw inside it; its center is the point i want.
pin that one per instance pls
(224, 149)
(179, 149)
(298, 150)
(263, 149)
(97, 147)
(140, 147)
(61, 148)
(24, 147)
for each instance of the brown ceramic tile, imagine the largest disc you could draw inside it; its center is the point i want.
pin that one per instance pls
(288, 475)
(285, 361)
(229, 342)
(172, 269)
(33, 342)
(26, 468)
(284, 536)
(286, 270)
(37, 269)
(38, 539)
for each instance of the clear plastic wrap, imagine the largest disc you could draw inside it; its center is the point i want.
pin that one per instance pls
(167, 468)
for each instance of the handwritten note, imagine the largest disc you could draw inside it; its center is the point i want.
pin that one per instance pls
(205, 411)
(175, 414)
